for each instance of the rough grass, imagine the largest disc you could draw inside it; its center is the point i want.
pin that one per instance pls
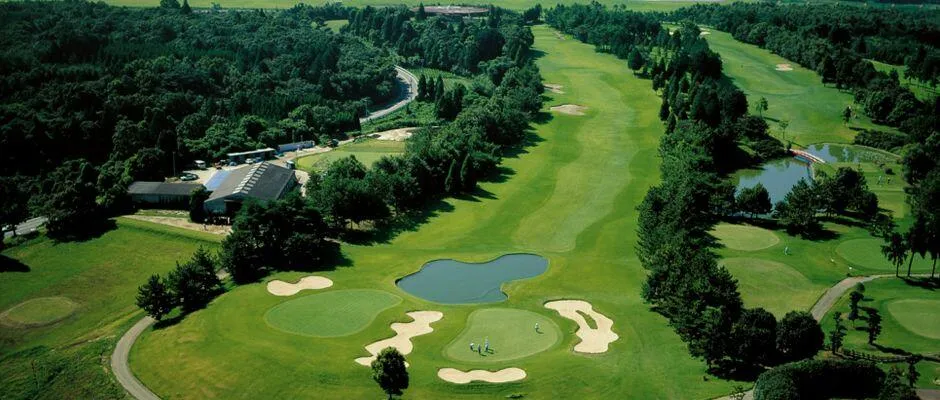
(571, 196)
(367, 151)
(866, 253)
(744, 237)
(814, 110)
(917, 307)
(775, 286)
(330, 314)
(511, 333)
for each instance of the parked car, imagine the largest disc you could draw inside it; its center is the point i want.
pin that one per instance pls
(188, 176)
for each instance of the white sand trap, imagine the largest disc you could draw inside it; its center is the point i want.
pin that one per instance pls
(504, 375)
(592, 340)
(703, 33)
(570, 109)
(784, 67)
(397, 135)
(406, 330)
(281, 288)
(554, 88)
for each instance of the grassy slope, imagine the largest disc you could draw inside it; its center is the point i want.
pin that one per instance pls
(571, 198)
(334, 313)
(879, 294)
(367, 151)
(102, 276)
(639, 5)
(813, 110)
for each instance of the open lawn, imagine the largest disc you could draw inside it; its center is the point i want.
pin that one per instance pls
(336, 24)
(866, 253)
(92, 284)
(511, 335)
(637, 5)
(910, 322)
(367, 151)
(571, 196)
(335, 313)
(921, 90)
(775, 286)
(814, 110)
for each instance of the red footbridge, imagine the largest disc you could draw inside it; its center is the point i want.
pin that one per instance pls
(807, 156)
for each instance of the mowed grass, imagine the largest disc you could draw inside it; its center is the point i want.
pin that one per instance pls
(330, 314)
(100, 276)
(923, 91)
(336, 24)
(511, 335)
(367, 151)
(814, 110)
(909, 321)
(744, 237)
(641, 5)
(775, 286)
(38, 311)
(866, 253)
(571, 197)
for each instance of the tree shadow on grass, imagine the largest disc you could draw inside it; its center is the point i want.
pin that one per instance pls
(9, 264)
(86, 232)
(410, 222)
(168, 322)
(923, 283)
(891, 350)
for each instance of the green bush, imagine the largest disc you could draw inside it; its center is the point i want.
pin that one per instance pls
(880, 140)
(819, 379)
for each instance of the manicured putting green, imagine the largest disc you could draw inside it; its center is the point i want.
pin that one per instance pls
(744, 237)
(775, 286)
(920, 316)
(511, 334)
(39, 311)
(867, 253)
(330, 314)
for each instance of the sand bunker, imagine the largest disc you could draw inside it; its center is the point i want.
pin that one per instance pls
(554, 88)
(784, 67)
(397, 135)
(281, 288)
(593, 340)
(504, 375)
(406, 330)
(570, 109)
(703, 33)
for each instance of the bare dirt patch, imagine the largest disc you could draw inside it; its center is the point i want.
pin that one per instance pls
(554, 88)
(397, 135)
(404, 332)
(312, 282)
(460, 377)
(570, 109)
(593, 340)
(784, 67)
(184, 223)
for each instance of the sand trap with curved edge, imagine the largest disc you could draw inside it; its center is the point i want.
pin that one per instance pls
(504, 375)
(554, 88)
(281, 288)
(784, 67)
(405, 331)
(397, 135)
(570, 109)
(592, 340)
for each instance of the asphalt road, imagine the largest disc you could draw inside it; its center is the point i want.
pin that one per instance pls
(122, 371)
(409, 93)
(26, 226)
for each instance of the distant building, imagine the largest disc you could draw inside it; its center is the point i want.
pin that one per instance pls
(258, 155)
(263, 182)
(162, 194)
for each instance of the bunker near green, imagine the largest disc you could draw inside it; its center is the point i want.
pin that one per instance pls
(504, 334)
(455, 282)
(330, 314)
(37, 312)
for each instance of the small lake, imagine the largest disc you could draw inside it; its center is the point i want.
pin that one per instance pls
(777, 176)
(454, 282)
(834, 153)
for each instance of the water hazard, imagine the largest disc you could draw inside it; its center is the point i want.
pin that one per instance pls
(454, 282)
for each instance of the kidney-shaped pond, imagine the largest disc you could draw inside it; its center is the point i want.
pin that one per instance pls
(455, 282)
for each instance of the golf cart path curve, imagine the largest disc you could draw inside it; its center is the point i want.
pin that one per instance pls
(825, 303)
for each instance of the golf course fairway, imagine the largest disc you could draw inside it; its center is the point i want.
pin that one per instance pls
(570, 196)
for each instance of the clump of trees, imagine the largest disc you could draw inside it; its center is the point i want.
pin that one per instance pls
(845, 193)
(820, 379)
(190, 286)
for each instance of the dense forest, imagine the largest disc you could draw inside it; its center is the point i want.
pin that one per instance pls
(100, 96)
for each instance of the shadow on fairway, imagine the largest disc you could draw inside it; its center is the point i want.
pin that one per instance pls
(85, 232)
(923, 283)
(8, 264)
(403, 223)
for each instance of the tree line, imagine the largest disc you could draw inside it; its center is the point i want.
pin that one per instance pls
(111, 95)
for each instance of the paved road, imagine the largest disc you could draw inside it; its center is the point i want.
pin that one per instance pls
(409, 93)
(122, 371)
(27, 226)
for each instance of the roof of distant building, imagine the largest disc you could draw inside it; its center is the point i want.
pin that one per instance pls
(263, 181)
(163, 188)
